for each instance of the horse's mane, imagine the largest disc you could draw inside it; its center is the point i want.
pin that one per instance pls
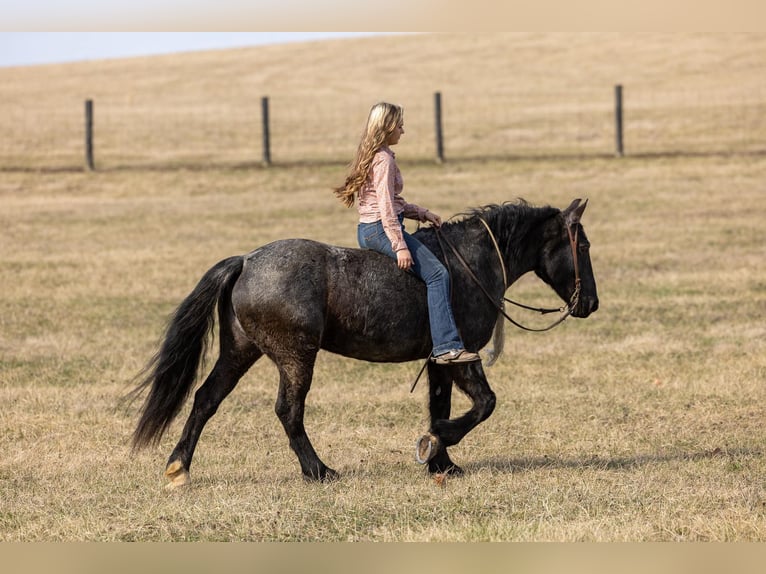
(511, 220)
(507, 213)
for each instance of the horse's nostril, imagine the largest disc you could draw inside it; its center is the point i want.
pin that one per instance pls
(587, 306)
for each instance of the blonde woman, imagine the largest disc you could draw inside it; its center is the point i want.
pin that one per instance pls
(376, 183)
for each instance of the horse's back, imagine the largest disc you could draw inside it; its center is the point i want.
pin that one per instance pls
(349, 301)
(278, 280)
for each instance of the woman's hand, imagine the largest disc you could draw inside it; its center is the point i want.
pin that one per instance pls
(433, 218)
(404, 259)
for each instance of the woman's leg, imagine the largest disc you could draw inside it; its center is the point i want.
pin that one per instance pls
(444, 334)
(436, 277)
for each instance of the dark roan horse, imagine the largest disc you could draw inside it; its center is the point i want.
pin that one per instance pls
(293, 297)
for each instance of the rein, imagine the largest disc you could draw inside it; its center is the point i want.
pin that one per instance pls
(567, 310)
(540, 310)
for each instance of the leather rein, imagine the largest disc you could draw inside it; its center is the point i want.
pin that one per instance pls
(566, 309)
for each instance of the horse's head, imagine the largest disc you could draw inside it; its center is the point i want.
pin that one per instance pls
(565, 261)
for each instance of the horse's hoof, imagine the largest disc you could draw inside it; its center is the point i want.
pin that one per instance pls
(178, 476)
(331, 475)
(452, 470)
(326, 475)
(425, 448)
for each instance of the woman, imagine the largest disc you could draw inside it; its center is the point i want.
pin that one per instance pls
(376, 182)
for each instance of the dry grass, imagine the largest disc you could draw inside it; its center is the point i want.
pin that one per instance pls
(643, 422)
(521, 94)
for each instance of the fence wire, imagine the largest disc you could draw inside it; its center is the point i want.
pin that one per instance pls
(304, 129)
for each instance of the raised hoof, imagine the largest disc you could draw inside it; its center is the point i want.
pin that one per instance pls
(425, 448)
(177, 475)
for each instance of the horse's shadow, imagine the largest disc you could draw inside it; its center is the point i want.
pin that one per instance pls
(529, 464)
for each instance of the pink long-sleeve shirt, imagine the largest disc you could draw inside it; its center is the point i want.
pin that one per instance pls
(380, 198)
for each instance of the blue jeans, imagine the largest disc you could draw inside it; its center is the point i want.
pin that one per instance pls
(426, 266)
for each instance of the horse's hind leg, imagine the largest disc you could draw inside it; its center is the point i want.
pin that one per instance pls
(232, 364)
(295, 374)
(444, 432)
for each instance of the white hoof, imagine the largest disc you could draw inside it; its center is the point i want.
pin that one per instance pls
(177, 475)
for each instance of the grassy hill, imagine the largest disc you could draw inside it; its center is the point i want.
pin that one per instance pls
(504, 95)
(397, 67)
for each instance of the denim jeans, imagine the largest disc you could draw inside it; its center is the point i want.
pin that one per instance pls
(426, 266)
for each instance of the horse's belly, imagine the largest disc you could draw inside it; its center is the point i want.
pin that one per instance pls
(379, 329)
(394, 337)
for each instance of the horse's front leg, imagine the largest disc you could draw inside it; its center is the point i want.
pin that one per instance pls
(429, 449)
(470, 379)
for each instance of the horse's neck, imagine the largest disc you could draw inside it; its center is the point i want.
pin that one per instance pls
(521, 244)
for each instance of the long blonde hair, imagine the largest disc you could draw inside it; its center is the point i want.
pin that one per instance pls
(382, 121)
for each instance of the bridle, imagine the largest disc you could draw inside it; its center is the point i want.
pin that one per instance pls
(566, 309)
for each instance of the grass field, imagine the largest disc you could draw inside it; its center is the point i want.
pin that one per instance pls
(642, 423)
(504, 95)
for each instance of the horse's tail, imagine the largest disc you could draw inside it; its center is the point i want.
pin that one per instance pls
(172, 372)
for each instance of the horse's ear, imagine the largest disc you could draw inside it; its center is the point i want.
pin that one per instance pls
(573, 213)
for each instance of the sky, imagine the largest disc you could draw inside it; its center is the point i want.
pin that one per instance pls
(31, 48)
(59, 41)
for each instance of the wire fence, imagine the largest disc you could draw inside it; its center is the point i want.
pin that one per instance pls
(167, 134)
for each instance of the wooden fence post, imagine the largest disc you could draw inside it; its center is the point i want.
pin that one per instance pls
(618, 120)
(438, 123)
(265, 129)
(89, 163)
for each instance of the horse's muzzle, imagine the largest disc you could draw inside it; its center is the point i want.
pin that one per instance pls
(585, 306)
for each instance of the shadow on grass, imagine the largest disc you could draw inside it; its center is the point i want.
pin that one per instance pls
(515, 465)
(148, 165)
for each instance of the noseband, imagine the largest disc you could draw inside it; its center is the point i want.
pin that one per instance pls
(566, 309)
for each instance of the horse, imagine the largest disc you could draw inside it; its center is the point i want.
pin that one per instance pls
(291, 298)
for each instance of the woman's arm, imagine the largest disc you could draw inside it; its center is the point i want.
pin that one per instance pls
(383, 181)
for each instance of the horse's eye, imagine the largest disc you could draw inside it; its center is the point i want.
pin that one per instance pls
(583, 248)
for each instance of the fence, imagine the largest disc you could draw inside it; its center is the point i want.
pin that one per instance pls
(447, 126)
